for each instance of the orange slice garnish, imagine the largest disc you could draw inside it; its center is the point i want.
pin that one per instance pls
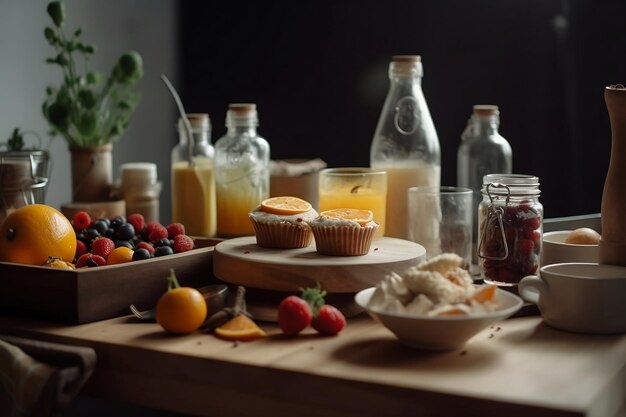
(484, 293)
(285, 205)
(240, 328)
(360, 216)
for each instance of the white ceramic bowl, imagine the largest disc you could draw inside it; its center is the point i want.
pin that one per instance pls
(556, 251)
(440, 333)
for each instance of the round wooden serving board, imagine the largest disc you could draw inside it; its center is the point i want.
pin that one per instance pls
(241, 261)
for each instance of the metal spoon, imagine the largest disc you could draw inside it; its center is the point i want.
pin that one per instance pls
(148, 315)
(183, 115)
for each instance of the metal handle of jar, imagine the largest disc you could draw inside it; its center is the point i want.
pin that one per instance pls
(498, 212)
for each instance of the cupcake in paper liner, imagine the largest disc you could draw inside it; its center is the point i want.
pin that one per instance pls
(283, 223)
(344, 232)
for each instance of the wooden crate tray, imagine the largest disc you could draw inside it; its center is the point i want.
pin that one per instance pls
(91, 294)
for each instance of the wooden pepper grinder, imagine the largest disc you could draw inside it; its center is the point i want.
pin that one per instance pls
(613, 242)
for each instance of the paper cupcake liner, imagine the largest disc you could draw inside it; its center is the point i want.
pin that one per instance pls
(343, 241)
(282, 235)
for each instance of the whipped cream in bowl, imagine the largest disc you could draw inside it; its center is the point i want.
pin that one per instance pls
(435, 305)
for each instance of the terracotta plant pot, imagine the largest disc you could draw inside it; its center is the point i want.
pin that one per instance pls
(612, 248)
(92, 173)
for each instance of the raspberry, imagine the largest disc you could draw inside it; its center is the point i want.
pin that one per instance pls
(81, 248)
(81, 221)
(102, 246)
(182, 243)
(90, 260)
(137, 221)
(146, 246)
(155, 231)
(175, 229)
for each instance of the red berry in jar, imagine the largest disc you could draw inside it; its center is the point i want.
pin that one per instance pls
(510, 228)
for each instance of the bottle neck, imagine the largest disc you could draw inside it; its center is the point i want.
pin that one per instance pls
(242, 130)
(485, 126)
(200, 136)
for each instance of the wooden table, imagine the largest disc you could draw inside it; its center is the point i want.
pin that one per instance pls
(519, 367)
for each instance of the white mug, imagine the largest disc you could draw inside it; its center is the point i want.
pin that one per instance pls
(579, 297)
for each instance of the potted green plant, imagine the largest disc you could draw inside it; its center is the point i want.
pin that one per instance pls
(90, 111)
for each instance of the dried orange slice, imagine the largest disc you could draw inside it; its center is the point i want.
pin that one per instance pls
(239, 328)
(360, 216)
(484, 293)
(285, 205)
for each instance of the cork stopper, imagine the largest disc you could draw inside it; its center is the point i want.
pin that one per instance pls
(406, 66)
(406, 58)
(242, 114)
(486, 110)
(242, 107)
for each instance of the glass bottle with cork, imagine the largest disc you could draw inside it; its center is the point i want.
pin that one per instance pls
(405, 142)
(242, 174)
(193, 180)
(482, 151)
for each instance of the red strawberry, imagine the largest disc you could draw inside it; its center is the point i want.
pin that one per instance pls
(146, 246)
(81, 221)
(90, 260)
(155, 231)
(182, 243)
(137, 221)
(102, 246)
(175, 229)
(80, 249)
(329, 320)
(294, 314)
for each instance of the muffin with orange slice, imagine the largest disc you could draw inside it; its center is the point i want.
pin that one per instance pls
(344, 231)
(283, 223)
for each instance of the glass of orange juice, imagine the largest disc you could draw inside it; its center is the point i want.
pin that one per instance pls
(359, 188)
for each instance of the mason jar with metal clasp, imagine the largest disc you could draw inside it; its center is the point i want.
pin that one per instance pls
(510, 219)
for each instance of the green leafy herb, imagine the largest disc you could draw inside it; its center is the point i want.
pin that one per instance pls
(88, 110)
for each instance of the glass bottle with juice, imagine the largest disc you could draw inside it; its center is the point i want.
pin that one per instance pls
(405, 142)
(193, 181)
(242, 174)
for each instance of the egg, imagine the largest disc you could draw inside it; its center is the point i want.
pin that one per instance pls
(583, 236)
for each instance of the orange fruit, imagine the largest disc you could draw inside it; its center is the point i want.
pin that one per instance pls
(285, 205)
(181, 310)
(239, 328)
(32, 233)
(120, 255)
(59, 263)
(360, 216)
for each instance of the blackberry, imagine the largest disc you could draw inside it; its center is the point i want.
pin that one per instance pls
(110, 233)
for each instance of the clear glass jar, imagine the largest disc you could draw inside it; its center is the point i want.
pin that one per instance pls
(510, 222)
(193, 180)
(242, 174)
(482, 151)
(405, 142)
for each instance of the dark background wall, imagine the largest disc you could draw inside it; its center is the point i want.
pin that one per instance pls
(318, 73)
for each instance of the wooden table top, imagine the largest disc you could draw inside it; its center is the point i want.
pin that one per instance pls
(519, 367)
